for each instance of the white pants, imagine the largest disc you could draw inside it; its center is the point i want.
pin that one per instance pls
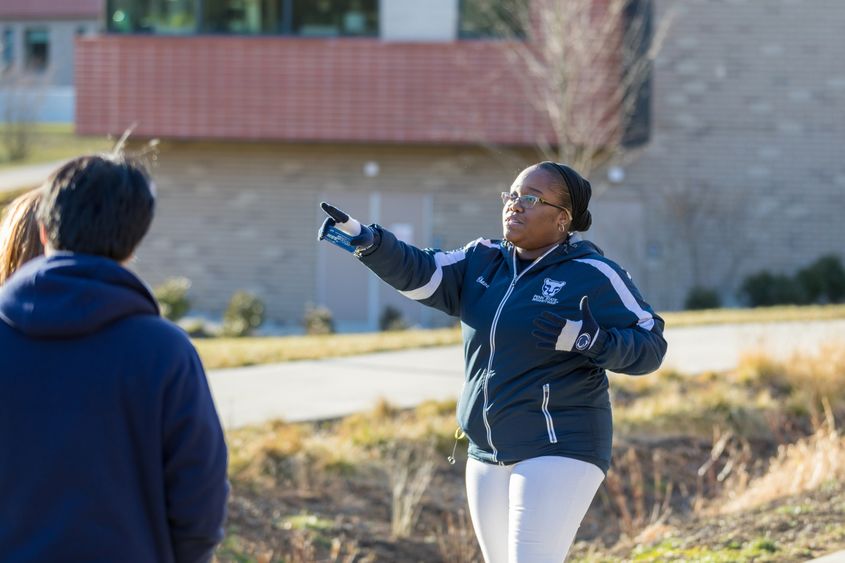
(529, 512)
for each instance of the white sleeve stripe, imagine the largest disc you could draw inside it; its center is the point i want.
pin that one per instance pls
(482, 241)
(566, 338)
(645, 320)
(441, 259)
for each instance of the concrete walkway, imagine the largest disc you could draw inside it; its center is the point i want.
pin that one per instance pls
(838, 557)
(315, 390)
(20, 177)
(323, 389)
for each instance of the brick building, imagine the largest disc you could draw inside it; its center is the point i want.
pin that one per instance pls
(399, 113)
(748, 136)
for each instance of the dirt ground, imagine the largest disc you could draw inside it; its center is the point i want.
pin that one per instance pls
(342, 514)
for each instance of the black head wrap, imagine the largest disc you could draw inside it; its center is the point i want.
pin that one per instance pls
(580, 192)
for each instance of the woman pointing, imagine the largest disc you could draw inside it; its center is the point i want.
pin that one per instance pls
(543, 315)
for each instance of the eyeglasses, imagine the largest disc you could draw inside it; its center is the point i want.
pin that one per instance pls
(527, 201)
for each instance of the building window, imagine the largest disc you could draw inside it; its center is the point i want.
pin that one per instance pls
(248, 17)
(491, 18)
(7, 57)
(639, 16)
(164, 17)
(314, 18)
(36, 48)
(332, 18)
(121, 17)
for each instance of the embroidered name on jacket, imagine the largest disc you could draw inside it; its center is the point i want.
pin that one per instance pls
(550, 289)
(482, 282)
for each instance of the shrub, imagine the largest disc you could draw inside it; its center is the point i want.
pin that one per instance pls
(196, 328)
(318, 320)
(244, 314)
(172, 297)
(764, 288)
(391, 319)
(823, 280)
(702, 298)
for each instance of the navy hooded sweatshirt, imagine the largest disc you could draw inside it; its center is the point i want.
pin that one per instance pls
(519, 401)
(110, 446)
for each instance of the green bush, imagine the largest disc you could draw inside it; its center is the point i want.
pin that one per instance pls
(318, 320)
(391, 319)
(765, 288)
(196, 328)
(702, 298)
(244, 314)
(823, 281)
(172, 297)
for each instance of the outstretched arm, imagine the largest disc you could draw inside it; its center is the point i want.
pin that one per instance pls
(429, 276)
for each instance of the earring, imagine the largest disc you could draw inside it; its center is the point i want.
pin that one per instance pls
(562, 227)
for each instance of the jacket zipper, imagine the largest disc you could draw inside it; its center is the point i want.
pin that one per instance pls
(493, 346)
(550, 427)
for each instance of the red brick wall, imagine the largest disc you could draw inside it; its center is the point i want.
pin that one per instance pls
(298, 89)
(51, 9)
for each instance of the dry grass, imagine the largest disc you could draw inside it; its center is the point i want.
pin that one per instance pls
(798, 467)
(801, 383)
(765, 401)
(278, 451)
(219, 353)
(55, 141)
(456, 540)
(410, 469)
(757, 400)
(627, 486)
(666, 405)
(689, 449)
(757, 315)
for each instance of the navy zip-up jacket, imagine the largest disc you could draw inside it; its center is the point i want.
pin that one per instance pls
(110, 446)
(520, 401)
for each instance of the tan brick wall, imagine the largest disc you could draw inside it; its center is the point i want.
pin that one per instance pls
(245, 216)
(749, 105)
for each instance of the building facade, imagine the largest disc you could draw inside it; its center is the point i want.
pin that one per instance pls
(408, 114)
(37, 40)
(746, 167)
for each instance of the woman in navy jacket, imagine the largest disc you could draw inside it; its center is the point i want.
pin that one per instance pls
(543, 315)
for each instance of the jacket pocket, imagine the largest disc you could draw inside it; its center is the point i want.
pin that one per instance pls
(550, 425)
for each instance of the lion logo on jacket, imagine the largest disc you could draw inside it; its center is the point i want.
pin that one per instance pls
(550, 289)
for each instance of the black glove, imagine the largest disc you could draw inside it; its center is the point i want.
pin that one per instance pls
(342, 230)
(568, 335)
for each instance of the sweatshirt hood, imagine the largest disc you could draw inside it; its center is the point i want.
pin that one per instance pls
(69, 295)
(575, 247)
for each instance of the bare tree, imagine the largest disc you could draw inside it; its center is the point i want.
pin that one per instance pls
(21, 97)
(588, 69)
(706, 220)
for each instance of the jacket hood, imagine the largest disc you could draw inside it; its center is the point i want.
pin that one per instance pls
(68, 295)
(574, 247)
